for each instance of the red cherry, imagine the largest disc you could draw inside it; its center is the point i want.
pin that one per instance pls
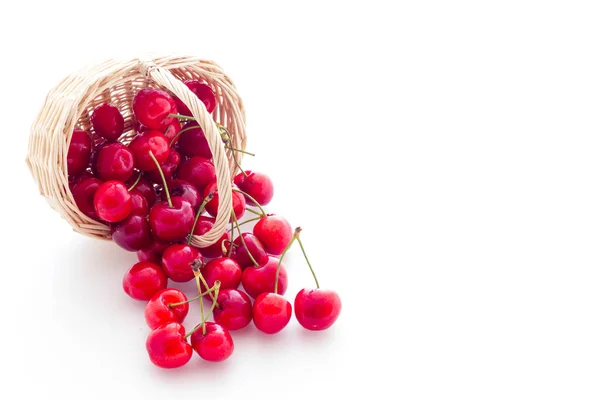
(152, 107)
(177, 261)
(203, 92)
(168, 167)
(108, 122)
(262, 280)
(158, 312)
(222, 269)
(80, 151)
(193, 142)
(274, 233)
(171, 224)
(114, 162)
(237, 200)
(144, 280)
(185, 190)
(271, 312)
(257, 185)
(152, 253)
(215, 345)
(172, 129)
(235, 309)
(139, 204)
(83, 194)
(133, 233)
(204, 225)
(254, 246)
(168, 347)
(198, 171)
(145, 188)
(150, 141)
(112, 201)
(317, 309)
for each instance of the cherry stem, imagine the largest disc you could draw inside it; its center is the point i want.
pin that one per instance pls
(136, 182)
(239, 167)
(206, 200)
(197, 275)
(246, 222)
(196, 265)
(189, 128)
(231, 243)
(179, 116)
(241, 151)
(215, 287)
(252, 199)
(237, 225)
(306, 257)
(162, 176)
(294, 237)
(171, 305)
(254, 212)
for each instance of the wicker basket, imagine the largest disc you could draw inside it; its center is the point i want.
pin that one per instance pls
(70, 105)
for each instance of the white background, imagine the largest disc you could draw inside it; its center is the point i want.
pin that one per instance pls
(442, 157)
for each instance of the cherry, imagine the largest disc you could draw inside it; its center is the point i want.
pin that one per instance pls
(222, 269)
(139, 204)
(167, 346)
(215, 344)
(172, 223)
(262, 280)
(204, 225)
(133, 233)
(274, 233)
(80, 151)
(234, 309)
(114, 162)
(185, 190)
(192, 141)
(160, 310)
(177, 261)
(144, 280)
(108, 121)
(203, 92)
(170, 132)
(152, 253)
(237, 200)
(152, 107)
(145, 188)
(317, 309)
(271, 312)
(257, 185)
(198, 171)
(252, 245)
(168, 167)
(83, 194)
(150, 141)
(112, 201)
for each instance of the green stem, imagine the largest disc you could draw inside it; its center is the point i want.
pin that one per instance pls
(294, 237)
(206, 200)
(197, 276)
(215, 287)
(189, 128)
(136, 182)
(179, 116)
(308, 262)
(243, 240)
(254, 212)
(252, 199)
(162, 176)
(246, 222)
(231, 242)
(239, 166)
(240, 151)
(171, 305)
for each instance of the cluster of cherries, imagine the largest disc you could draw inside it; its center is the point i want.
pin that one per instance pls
(159, 191)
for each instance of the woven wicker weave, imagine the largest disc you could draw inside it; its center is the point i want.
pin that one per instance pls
(70, 105)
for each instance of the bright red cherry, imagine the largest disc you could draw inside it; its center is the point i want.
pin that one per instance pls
(222, 269)
(152, 253)
(144, 187)
(317, 309)
(198, 171)
(185, 190)
(257, 185)
(159, 312)
(144, 280)
(152, 107)
(192, 142)
(112, 201)
(170, 131)
(150, 141)
(177, 261)
(254, 246)
(271, 312)
(274, 233)
(171, 224)
(168, 167)
(114, 162)
(139, 204)
(168, 347)
(262, 280)
(203, 92)
(83, 194)
(108, 121)
(133, 233)
(215, 345)
(234, 310)
(80, 151)
(204, 225)
(238, 201)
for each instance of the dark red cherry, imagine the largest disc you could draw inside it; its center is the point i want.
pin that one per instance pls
(152, 253)
(235, 309)
(80, 151)
(214, 345)
(145, 188)
(83, 194)
(112, 201)
(185, 190)
(192, 141)
(254, 246)
(262, 280)
(108, 122)
(257, 185)
(167, 346)
(177, 261)
(152, 107)
(222, 269)
(203, 225)
(317, 309)
(198, 171)
(114, 161)
(139, 204)
(170, 131)
(158, 312)
(144, 280)
(274, 232)
(271, 312)
(237, 200)
(203, 92)
(133, 233)
(168, 167)
(171, 224)
(150, 141)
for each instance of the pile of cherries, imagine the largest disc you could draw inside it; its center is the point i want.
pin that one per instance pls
(156, 193)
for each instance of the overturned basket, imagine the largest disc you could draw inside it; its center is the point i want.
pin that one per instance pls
(70, 105)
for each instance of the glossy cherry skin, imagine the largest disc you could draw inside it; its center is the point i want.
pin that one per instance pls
(216, 345)
(112, 201)
(274, 232)
(198, 171)
(152, 107)
(80, 151)
(108, 122)
(317, 309)
(185, 190)
(144, 280)
(139, 204)
(177, 261)
(203, 92)
(238, 201)
(170, 131)
(145, 188)
(153, 253)
(150, 141)
(222, 269)
(203, 225)
(168, 167)
(114, 162)
(271, 312)
(257, 185)
(254, 246)
(157, 311)
(172, 224)
(83, 193)
(167, 346)
(133, 233)
(235, 309)
(262, 280)
(192, 142)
